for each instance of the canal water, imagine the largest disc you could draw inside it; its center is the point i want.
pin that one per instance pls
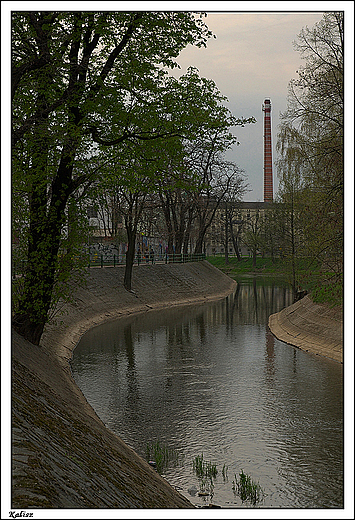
(210, 385)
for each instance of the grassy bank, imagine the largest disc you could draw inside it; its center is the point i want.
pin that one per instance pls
(245, 266)
(311, 277)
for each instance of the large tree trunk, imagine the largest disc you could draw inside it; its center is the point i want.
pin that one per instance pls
(32, 314)
(46, 223)
(168, 222)
(47, 219)
(43, 247)
(131, 235)
(178, 242)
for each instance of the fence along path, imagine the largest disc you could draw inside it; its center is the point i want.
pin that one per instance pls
(113, 260)
(100, 260)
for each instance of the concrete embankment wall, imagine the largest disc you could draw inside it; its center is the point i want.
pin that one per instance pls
(312, 327)
(63, 456)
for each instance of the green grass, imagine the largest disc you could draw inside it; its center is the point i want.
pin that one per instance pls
(332, 294)
(321, 285)
(266, 265)
(206, 472)
(245, 265)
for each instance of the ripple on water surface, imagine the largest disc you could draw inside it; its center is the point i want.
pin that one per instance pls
(212, 380)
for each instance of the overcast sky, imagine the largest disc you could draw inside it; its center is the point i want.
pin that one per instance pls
(252, 58)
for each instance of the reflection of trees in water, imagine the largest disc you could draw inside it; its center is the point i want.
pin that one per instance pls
(183, 333)
(250, 304)
(201, 328)
(165, 375)
(253, 304)
(183, 336)
(131, 372)
(178, 340)
(269, 355)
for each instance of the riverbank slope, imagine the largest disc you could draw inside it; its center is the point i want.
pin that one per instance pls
(315, 328)
(63, 456)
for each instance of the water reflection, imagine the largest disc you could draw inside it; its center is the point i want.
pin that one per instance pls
(131, 372)
(212, 379)
(269, 355)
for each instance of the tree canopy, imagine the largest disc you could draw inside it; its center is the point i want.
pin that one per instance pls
(88, 88)
(311, 140)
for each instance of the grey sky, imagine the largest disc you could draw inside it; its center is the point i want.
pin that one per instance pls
(252, 58)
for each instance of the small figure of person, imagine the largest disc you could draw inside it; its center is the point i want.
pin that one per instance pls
(139, 255)
(152, 255)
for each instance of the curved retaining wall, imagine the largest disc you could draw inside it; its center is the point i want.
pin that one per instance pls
(63, 456)
(311, 327)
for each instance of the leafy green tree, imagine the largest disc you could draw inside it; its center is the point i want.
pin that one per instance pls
(310, 142)
(163, 164)
(188, 163)
(73, 84)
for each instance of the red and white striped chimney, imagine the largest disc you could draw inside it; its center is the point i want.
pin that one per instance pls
(268, 188)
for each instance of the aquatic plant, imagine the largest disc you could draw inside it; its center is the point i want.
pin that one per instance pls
(247, 489)
(224, 473)
(204, 469)
(162, 456)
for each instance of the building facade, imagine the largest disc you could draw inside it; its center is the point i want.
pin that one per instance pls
(241, 219)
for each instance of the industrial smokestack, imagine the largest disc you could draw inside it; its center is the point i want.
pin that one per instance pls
(268, 188)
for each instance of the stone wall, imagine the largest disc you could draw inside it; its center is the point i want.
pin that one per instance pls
(315, 328)
(63, 456)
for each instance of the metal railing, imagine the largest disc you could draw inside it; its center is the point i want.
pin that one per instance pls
(107, 260)
(98, 260)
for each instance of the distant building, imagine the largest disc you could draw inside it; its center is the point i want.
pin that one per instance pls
(242, 215)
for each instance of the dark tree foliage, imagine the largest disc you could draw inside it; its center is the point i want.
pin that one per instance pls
(310, 142)
(69, 71)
